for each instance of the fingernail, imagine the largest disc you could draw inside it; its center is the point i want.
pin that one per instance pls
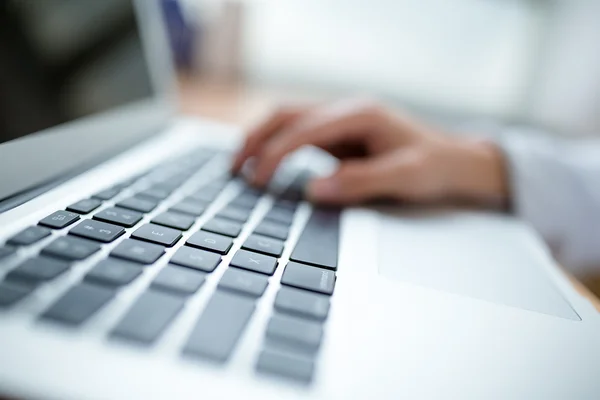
(323, 189)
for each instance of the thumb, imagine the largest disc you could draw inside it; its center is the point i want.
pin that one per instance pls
(355, 181)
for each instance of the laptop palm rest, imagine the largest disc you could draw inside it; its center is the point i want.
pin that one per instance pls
(482, 256)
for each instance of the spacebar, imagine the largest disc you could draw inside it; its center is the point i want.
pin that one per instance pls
(318, 243)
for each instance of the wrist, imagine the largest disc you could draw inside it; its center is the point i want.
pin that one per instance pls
(477, 171)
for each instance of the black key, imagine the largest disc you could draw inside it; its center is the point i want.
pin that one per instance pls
(141, 252)
(119, 216)
(6, 252)
(223, 226)
(196, 259)
(29, 236)
(254, 262)
(294, 331)
(302, 303)
(85, 206)
(59, 219)
(143, 205)
(244, 282)
(273, 229)
(157, 192)
(174, 220)
(264, 245)
(107, 194)
(210, 241)
(205, 195)
(157, 234)
(71, 248)
(191, 207)
(235, 213)
(12, 292)
(281, 215)
(179, 280)
(78, 304)
(38, 269)
(214, 336)
(286, 204)
(309, 278)
(286, 365)
(113, 272)
(96, 230)
(245, 200)
(318, 243)
(148, 317)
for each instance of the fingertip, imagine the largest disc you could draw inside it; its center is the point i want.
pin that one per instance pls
(323, 190)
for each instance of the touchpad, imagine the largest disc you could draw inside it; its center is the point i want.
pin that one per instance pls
(482, 256)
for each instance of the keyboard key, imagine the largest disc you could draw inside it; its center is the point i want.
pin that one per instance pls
(235, 213)
(195, 258)
(318, 243)
(286, 204)
(157, 234)
(281, 215)
(223, 226)
(179, 280)
(71, 248)
(191, 207)
(148, 317)
(310, 278)
(286, 365)
(38, 269)
(113, 272)
(6, 252)
(85, 206)
(174, 220)
(205, 195)
(143, 205)
(78, 304)
(273, 230)
(107, 194)
(29, 236)
(302, 303)
(245, 200)
(210, 241)
(157, 192)
(244, 282)
(96, 230)
(254, 262)
(135, 250)
(59, 219)
(12, 292)
(119, 216)
(264, 245)
(220, 326)
(295, 331)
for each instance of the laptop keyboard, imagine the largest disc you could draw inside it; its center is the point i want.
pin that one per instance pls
(125, 217)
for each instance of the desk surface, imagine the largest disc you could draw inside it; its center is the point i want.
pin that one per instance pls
(243, 105)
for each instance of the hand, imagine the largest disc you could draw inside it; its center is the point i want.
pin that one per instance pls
(382, 155)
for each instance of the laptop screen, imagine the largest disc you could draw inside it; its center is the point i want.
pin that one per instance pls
(64, 59)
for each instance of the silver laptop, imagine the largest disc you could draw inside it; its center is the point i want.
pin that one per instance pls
(132, 266)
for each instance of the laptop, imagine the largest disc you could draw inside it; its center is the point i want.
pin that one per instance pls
(132, 266)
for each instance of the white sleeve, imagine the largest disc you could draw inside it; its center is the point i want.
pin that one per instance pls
(556, 187)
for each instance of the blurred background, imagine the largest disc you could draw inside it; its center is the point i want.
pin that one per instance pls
(526, 61)
(534, 62)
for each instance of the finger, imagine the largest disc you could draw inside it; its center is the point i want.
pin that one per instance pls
(355, 181)
(257, 136)
(405, 174)
(342, 122)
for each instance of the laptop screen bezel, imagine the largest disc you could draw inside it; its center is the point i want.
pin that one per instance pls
(41, 156)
